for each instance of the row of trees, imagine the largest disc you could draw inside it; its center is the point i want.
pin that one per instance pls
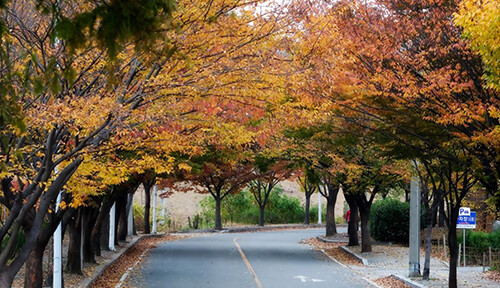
(100, 97)
(404, 82)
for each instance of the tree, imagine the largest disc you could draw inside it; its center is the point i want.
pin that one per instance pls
(67, 91)
(329, 188)
(220, 177)
(480, 22)
(309, 183)
(268, 173)
(403, 70)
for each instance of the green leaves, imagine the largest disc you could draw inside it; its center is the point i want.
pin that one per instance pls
(113, 25)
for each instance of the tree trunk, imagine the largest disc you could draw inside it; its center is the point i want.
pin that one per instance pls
(88, 220)
(104, 234)
(261, 215)
(33, 276)
(74, 264)
(218, 218)
(6, 278)
(366, 243)
(331, 228)
(121, 206)
(34, 265)
(308, 204)
(353, 223)
(147, 207)
(441, 220)
(452, 245)
(427, 261)
(117, 220)
(97, 230)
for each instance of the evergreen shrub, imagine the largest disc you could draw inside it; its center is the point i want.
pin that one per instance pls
(390, 221)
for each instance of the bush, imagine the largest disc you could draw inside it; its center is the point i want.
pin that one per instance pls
(282, 209)
(313, 213)
(480, 240)
(390, 220)
(138, 216)
(242, 208)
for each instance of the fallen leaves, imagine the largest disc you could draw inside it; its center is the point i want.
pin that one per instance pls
(333, 250)
(492, 275)
(391, 282)
(111, 276)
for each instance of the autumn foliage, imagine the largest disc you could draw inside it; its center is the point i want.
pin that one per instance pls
(97, 99)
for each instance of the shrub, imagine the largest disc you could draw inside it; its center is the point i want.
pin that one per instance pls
(494, 239)
(313, 213)
(138, 216)
(242, 208)
(480, 240)
(390, 220)
(283, 209)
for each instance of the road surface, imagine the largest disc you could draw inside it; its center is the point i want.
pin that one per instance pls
(260, 259)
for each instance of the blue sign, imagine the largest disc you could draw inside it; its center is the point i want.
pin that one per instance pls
(467, 222)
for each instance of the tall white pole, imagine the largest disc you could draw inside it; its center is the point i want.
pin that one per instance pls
(319, 208)
(414, 265)
(57, 268)
(130, 220)
(111, 243)
(163, 208)
(154, 210)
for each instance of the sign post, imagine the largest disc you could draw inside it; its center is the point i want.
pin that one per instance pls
(466, 220)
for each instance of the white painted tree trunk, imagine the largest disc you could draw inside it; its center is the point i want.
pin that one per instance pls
(154, 210)
(112, 213)
(57, 269)
(130, 219)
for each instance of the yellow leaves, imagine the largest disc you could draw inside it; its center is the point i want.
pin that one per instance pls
(80, 114)
(184, 167)
(480, 21)
(62, 205)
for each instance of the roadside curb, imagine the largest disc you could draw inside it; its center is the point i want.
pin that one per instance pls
(364, 261)
(354, 271)
(99, 271)
(408, 282)
(325, 240)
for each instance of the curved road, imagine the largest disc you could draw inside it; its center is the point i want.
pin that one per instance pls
(260, 259)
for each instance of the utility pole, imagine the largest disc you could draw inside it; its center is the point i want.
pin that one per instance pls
(414, 260)
(319, 208)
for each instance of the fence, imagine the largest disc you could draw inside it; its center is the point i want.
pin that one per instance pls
(489, 257)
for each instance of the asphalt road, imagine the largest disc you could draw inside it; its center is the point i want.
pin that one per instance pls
(261, 259)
